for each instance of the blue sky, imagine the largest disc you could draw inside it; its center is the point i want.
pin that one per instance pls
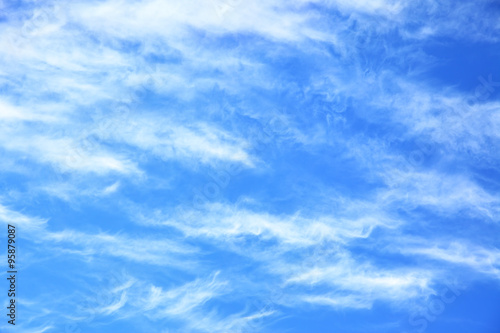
(263, 166)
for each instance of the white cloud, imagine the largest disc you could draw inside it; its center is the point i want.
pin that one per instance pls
(65, 154)
(219, 221)
(10, 112)
(166, 138)
(169, 19)
(443, 193)
(183, 300)
(111, 188)
(112, 308)
(480, 259)
(29, 225)
(356, 284)
(158, 252)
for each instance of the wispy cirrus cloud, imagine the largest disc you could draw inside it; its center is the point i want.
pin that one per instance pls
(364, 162)
(479, 259)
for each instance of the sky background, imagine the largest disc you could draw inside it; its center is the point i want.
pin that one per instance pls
(251, 166)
